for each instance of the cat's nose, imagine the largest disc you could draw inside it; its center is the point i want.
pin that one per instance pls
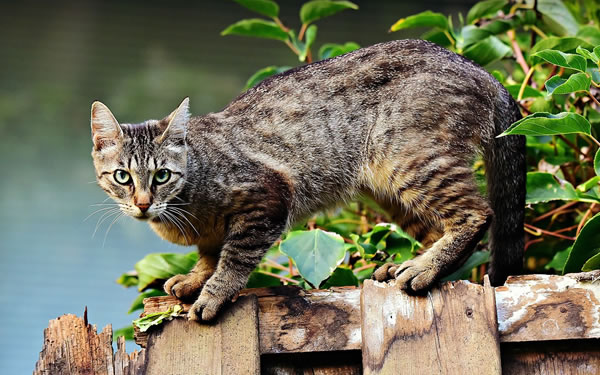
(143, 207)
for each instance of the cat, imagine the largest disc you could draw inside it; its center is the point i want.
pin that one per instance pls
(400, 121)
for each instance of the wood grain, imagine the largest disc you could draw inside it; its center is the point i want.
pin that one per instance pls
(565, 357)
(308, 321)
(294, 320)
(451, 330)
(529, 308)
(72, 346)
(229, 346)
(318, 363)
(129, 364)
(549, 307)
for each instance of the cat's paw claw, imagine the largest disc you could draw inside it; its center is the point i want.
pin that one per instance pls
(385, 272)
(183, 287)
(205, 308)
(416, 275)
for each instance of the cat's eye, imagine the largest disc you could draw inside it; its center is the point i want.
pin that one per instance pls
(122, 177)
(161, 176)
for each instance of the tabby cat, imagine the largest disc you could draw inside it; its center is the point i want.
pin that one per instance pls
(400, 121)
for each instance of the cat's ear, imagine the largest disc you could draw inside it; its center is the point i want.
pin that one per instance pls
(177, 121)
(106, 130)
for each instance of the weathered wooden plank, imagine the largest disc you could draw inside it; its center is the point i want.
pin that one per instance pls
(309, 321)
(293, 320)
(318, 363)
(71, 346)
(549, 307)
(520, 317)
(229, 346)
(565, 357)
(129, 364)
(451, 330)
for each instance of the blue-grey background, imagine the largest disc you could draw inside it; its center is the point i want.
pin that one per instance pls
(140, 58)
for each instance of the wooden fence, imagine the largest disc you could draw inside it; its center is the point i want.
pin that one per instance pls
(534, 324)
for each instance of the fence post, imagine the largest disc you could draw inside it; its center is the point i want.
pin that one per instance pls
(451, 330)
(230, 346)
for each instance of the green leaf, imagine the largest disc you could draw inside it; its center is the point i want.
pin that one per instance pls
(330, 50)
(154, 319)
(310, 36)
(128, 279)
(589, 184)
(543, 187)
(566, 60)
(586, 246)
(366, 250)
(264, 73)
(258, 279)
(317, 9)
(341, 277)
(138, 302)
(589, 33)
(544, 123)
(566, 44)
(529, 92)
(438, 37)
(256, 28)
(592, 264)
(404, 246)
(559, 260)
(470, 35)
(155, 267)
(576, 82)
(597, 163)
(484, 8)
(126, 332)
(498, 26)
(597, 51)
(487, 51)
(475, 260)
(379, 232)
(587, 54)
(423, 19)
(316, 253)
(265, 7)
(501, 78)
(557, 17)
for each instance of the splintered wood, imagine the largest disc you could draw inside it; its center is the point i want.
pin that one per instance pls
(546, 325)
(71, 346)
(451, 330)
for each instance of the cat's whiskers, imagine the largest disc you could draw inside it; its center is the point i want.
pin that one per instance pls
(98, 211)
(104, 217)
(170, 219)
(181, 213)
(120, 215)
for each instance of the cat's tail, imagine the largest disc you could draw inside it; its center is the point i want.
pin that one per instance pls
(506, 180)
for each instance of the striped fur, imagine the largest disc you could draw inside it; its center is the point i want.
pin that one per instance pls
(400, 121)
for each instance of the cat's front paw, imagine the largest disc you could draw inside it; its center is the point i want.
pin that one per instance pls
(185, 287)
(385, 273)
(416, 275)
(206, 307)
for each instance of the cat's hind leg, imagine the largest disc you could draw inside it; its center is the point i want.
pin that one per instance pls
(445, 194)
(426, 232)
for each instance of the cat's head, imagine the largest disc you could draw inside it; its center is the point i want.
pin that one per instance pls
(140, 166)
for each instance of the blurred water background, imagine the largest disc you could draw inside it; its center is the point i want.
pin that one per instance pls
(140, 58)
